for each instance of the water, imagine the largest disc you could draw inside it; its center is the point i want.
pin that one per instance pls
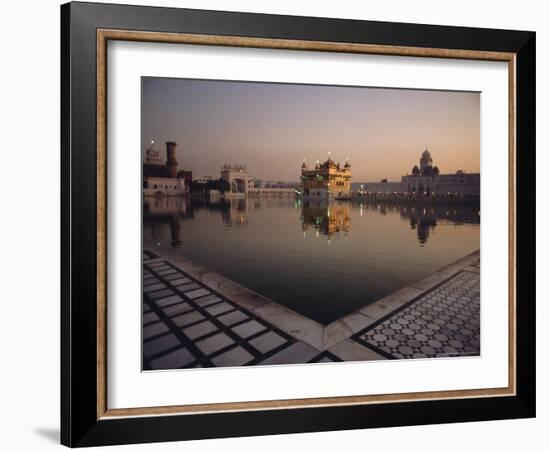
(320, 260)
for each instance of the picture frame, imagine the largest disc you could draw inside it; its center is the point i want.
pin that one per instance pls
(86, 29)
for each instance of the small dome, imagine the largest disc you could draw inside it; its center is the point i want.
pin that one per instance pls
(152, 155)
(426, 154)
(329, 163)
(347, 165)
(415, 170)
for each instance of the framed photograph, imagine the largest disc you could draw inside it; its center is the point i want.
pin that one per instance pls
(276, 224)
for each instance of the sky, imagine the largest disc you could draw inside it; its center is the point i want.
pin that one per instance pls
(272, 127)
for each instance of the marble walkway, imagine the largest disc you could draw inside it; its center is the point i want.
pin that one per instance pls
(186, 324)
(189, 323)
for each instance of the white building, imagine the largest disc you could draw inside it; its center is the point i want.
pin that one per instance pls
(164, 186)
(237, 177)
(384, 187)
(242, 184)
(425, 180)
(162, 177)
(205, 179)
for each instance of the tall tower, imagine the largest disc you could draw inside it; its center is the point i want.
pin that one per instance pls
(171, 162)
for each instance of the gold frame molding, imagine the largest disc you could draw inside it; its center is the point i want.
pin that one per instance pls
(105, 35)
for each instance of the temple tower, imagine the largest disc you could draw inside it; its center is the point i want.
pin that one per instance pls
(171, 162)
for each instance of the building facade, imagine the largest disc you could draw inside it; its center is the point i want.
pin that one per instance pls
(242, 184)
(383, 187)
(425, 180)
(327, 180)
(163, 178)
(237, 177)
(205, 179)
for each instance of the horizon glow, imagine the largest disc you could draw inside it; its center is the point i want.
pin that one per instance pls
(272, 127)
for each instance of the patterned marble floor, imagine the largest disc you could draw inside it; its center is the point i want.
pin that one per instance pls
(185, 325)
(443, 321)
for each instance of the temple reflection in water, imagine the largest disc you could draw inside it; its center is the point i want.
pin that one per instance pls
(160, 213)
(327, 218)
(278, 248)
(425, 219)
(162, 216)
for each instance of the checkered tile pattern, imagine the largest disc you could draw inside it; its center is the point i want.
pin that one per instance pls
(442, 322)
(186, 324)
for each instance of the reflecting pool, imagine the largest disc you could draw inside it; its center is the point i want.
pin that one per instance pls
(322, 260)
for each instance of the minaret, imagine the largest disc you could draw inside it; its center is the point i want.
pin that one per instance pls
(171, 162)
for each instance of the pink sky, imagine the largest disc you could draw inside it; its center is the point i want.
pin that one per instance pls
(271, 127)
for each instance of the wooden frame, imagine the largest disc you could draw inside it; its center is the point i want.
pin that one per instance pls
(86, 418)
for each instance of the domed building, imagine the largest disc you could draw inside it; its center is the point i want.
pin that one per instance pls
(426, 160)
(425, 180)
(327, 181)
